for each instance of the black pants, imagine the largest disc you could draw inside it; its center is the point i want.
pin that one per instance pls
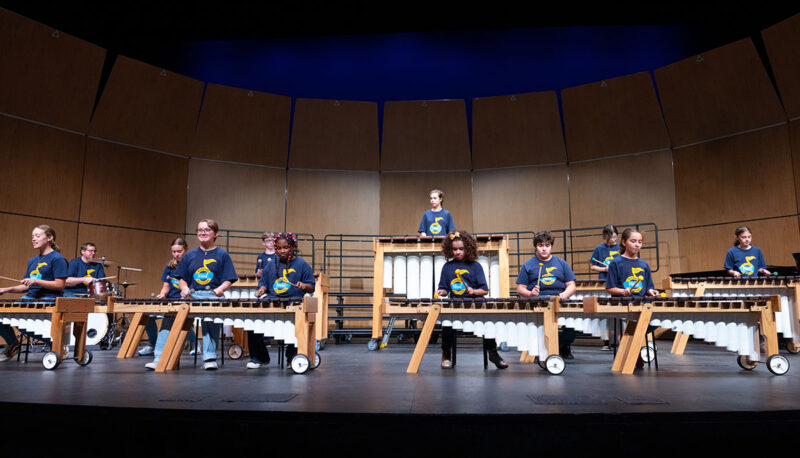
(449, 339)
(257, 348)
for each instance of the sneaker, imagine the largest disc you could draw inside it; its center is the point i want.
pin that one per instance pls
(497, 360)
(446, 364)
(210, 366)
(147, 350)
(605, 348)
(10, 351)
(151, 366)
(253, 365)
(566, 352)
(192, 352)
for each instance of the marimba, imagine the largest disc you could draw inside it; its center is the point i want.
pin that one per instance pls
(49, 319)
(734, 322)
(410, 266)
(787, 320)
(526, 323)
(293, 321)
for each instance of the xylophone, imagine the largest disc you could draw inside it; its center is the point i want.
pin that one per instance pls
(787, 319)
(410, 266)
(526, 323)
(290, 320)
(50, 318)
(734, 322)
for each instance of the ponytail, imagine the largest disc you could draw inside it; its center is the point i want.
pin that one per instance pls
(739, 231)
(49, 232)
(173, 263)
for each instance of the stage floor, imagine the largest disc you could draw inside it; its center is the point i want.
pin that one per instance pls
(354, 380)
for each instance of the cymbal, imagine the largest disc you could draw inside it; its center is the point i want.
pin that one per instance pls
(104, 262)
(125, 283)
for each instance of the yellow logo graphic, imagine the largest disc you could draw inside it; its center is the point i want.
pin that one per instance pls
(457, 285)
(548, 278)
(611, 256)
(282, 284)
(88, 276)
(35, 272)
(176, 283)
(203, 275)
(747, 268)
(436, 227)
(635, 282)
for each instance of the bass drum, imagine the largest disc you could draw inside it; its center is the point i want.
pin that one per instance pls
(96, 328)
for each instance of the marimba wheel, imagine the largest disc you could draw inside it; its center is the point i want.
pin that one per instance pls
(372, 345)
(503, 346)
(555, 364)
(541, 363)
(792, 348)
(51, 360)
(745, 363)
(648, 353)
(317, 361)
(235, 351)
(87, 358)
(300, 364)
(778, 364)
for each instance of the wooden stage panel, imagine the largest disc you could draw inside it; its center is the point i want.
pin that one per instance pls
(624, 190)
(334, 134)
(43, 168)
(520, 199)
(16, 243)
(748, 176)
(612, 117)
(47, 75)
(405, 197)
(127, 186)
(519, 129)
(794, 141)
(720, 92)
(147, 106)
(425, 135)
(242, 197)
(141, 249)
(781, 41)
(704, 248)
(239, 125)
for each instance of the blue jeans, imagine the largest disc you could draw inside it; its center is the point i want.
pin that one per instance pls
(161, 340)
(210, 329)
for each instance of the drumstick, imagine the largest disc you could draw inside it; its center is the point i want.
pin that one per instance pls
(599, 262)
(11, 279)
(104, 278)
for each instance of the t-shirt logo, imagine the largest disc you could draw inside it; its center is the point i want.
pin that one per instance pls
(175, 282)
(747, 268)
(635, 281)
(548, 278)
(88, 276)
(610, 257)
(35, 272)
(457, 285)
(436, 228)
(281, 284)
(203, 275)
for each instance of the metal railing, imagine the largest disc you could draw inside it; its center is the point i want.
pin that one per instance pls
(238, 242)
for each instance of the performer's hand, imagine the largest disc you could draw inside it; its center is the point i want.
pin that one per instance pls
(652, 292)
(262, 290)
(30, 281)
(160, 296)
(186, 292)
(535, 291)
(626, 292)
(736, 274)
(441, 293)
(219, 292)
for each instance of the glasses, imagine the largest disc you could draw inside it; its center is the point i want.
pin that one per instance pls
(204, 231)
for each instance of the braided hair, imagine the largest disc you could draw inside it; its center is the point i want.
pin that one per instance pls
(291, 239)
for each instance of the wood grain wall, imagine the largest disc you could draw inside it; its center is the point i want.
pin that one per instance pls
(782, 42)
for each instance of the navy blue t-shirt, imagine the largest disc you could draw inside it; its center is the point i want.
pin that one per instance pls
(206, 269)
(46, 267)
(555, 275)
(279, 277)
(630, 273)
(168, 276)
(457, 275)
(78, 268)
(604, 254)
(747, 262)
(437, 223)
(266, 259)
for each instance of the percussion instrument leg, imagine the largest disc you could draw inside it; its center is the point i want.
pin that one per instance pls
(128, 347)
(551, 331)
(304, 330)
(177, 336)
(769, 328)
(523, 356)
(633, 340)
(424, 337)
(679, 344)
(455, 344)
(79, 331)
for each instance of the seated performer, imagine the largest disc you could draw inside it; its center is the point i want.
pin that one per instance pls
(289, 276)
(462, 276)
(44, 279)
(548, 275)
(82, 271)
(437, 220)
(205, 273)
(744, 259)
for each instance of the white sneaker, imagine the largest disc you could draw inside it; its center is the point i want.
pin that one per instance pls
(210, 366)
(253, 365)
(146, 351)
(151, 366)
(192, 352)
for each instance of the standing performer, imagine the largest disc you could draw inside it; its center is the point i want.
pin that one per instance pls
(604, 253)
(289, 276)
(82, 271)
(205, 273)
(548, 275)
(437, 220)
(463, 276)
(265, 260)
(268, 256)
(629, 275)
(745, 259)
(44, 279)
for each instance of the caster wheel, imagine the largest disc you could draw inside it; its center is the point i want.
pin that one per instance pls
(792, 348)
(778, 364)
(503, 346)
(317, 361)
(87, 358)
(235, 351)
(51, 360)
(648, 353)
(300, 364)
(745, 363)
(372, 345)
(542, 364)
(555, 364)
